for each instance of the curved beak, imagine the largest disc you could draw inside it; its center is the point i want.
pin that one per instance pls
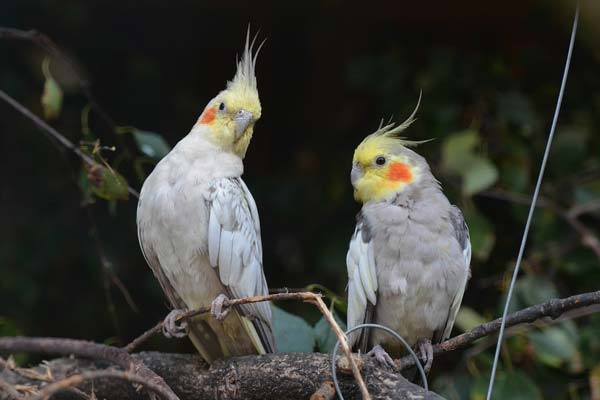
(242, 120)
(356, 174)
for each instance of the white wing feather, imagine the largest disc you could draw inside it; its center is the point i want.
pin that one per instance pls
(362, 280)
(234, 245)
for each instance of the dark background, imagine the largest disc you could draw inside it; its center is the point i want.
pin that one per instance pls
(329, 71)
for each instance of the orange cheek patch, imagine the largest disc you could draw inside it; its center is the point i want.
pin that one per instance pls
(208, 116)
(399, 172)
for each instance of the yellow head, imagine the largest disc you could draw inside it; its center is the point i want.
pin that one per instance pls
(382, 165)
(231, 115)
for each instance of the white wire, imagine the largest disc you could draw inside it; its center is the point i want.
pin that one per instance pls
(391, 332)
(533, 202)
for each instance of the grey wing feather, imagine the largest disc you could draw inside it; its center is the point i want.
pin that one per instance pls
(461, 232)
(235, 250)
(362, 282)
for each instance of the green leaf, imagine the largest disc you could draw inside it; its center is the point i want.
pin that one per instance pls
(52, 99)
(554, 345)
(533, 290)
(481, 232)
(453, 386)
(480, 175)
(325, 336)
(292, 333)
(457, 151)
(508, 386)
(459, 158)
(52, 96)
(468, 318)
(151, 144)
(107, 184)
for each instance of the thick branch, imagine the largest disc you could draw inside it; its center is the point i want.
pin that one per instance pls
(553, 309)
(86, 349)
(77, 379)
(272, 376)
(313, 298)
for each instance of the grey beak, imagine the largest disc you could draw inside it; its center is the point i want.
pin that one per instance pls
(242, 119)
(356, 174)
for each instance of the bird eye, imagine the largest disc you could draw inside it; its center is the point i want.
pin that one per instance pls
(221, 106)
(380, 160)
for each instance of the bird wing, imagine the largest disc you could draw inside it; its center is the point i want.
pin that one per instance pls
(461, 232)
(153, 262)
(362, 282)
(235, 250)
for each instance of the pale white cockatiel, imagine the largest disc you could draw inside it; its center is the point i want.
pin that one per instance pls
(408, 261)
(199, 229)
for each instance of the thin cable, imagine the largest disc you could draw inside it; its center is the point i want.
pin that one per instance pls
(391, 332)
(533, 202)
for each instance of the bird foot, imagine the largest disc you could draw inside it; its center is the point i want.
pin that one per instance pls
(382, 357)
(171, 327)
(218, 309)
(425, 349)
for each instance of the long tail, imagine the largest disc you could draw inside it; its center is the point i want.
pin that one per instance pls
(236, 335)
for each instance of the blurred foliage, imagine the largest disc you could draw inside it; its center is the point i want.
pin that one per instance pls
(489, 75)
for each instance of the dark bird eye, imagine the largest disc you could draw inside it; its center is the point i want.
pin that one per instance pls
(380, 160)
(221, 106)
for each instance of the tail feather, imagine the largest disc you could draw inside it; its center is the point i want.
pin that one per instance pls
(265, 334)
(234, 336)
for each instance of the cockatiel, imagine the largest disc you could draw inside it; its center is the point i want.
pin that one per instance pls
(199, 230)
(408, 261)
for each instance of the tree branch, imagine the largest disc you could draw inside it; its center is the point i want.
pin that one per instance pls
(586, 236)
(553, 309)
(309, 297)
(267, 377)
(54, 134)
(52, 49)
(77, 379)
(86, 349)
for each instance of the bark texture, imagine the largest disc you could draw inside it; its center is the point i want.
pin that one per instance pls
(275, 376)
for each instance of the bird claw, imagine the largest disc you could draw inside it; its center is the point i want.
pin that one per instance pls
(426, 352)
(172, 328)
(382, 357)
(218, 309)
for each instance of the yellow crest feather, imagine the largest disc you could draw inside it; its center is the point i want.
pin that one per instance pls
(245, 77)
(388, 135)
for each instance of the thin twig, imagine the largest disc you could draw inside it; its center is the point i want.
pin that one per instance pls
(87, 349)
(553, 309)
(318, 301)
(6, 389)
(309, 297)
(302, 296)
(580, 209)
(144, 337)
(74, 380)
(54, 134)
(325, 392)
(587, 237)
(48, 45)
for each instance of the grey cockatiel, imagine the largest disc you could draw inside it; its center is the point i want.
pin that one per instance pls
(408, 261)
(198, 225)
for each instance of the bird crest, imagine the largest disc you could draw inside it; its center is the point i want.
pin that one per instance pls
(244, 81)
(388, 136)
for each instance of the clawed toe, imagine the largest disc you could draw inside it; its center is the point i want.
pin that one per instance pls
(382, 357)
(426, 352)
(171, 327)
(218, 309)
